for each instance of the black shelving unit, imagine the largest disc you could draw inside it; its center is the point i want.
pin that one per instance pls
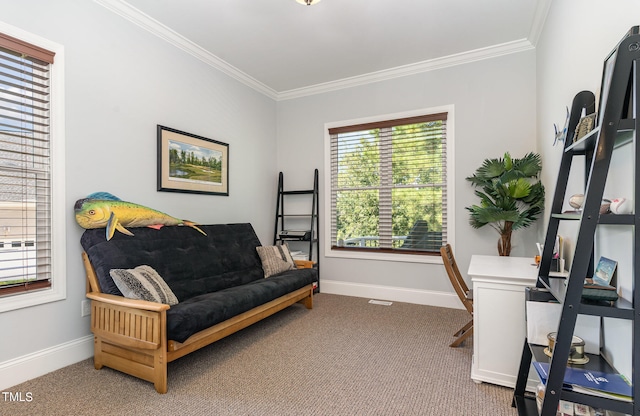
(309, 235)
(617, 129)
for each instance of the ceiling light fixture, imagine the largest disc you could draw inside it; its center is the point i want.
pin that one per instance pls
(308, 2)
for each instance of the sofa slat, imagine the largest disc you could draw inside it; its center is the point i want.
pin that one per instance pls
(137, 365)
(144, 358)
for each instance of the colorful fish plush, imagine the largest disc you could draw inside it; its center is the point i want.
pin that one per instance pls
(102, 209)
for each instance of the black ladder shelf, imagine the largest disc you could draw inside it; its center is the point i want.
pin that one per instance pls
(618, 126)
(282, 234)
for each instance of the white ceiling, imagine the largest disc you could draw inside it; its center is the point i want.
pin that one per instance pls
(281, 47)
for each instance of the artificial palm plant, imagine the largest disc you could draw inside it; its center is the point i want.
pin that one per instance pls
(511, 196)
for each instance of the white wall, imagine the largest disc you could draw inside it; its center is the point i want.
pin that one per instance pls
(577, 36)
(121, 82)
(494, 102)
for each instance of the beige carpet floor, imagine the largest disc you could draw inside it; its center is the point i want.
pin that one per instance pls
(344, 357)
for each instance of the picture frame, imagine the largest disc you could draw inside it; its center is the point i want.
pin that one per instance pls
(607, 76)
(604, 271)
(191, 164)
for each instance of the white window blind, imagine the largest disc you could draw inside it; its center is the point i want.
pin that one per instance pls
(388, 185)
(25, 197)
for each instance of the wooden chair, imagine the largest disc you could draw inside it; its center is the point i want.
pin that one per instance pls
(418, 237)
(462, 290)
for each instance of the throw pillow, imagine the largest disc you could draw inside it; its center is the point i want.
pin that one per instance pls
(275, 259)
(143, 283)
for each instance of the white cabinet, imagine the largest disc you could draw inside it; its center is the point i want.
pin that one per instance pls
(499, 324)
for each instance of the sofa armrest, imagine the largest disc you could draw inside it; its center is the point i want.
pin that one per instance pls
(129, 303)
(304, 264)
(128, 322)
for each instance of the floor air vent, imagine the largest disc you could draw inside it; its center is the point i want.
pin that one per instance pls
(380, 302)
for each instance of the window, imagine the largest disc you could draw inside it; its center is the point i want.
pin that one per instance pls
(388, 185)
(30, 147)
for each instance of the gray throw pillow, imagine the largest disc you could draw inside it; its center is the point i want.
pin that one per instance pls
(143, 283)
(275, 259)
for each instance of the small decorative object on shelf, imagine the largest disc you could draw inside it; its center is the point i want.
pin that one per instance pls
(604, 271)
(576, 354)
(576, 201)
(585, 125)
(621, 206)
(561, 135)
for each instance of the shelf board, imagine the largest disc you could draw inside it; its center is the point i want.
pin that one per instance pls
(300, 192)
(296, 215)
(574, 216)
(587, 141)
(614, 219)
(622, 308)
(595, 401)
(529, 406)
(610, 219)
(596, 362)
(624, 136)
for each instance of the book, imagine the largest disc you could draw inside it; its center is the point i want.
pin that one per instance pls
(595, 292)
(600, 295)
(604, 271)
(589, 284)
(595, 383)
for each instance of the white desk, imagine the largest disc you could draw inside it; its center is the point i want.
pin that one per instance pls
(499, 324)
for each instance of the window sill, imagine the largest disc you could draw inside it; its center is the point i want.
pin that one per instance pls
(31, 298)
(381, 256)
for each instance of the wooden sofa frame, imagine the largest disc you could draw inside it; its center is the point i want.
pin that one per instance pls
(131, 335)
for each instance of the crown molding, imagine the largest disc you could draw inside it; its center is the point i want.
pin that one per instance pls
(125, 10)
(411, 69)
(542, 11)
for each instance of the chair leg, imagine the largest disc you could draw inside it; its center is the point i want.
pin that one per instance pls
(462, 337)
(464, 328)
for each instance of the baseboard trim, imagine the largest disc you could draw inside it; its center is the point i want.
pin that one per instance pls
(39, 363)
(398, 294)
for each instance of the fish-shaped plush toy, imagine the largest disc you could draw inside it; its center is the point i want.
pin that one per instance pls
(102, 209)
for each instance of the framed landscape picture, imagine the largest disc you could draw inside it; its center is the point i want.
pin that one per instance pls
(192, 164)
(604, 271)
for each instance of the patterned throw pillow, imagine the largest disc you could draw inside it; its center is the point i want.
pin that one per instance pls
(143, 283)
(275, 259)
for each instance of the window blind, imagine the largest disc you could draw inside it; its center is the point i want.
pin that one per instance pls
(25, 220)
(388, 185)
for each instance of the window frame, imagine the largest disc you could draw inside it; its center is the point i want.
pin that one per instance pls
(58, 288)
(411, 257)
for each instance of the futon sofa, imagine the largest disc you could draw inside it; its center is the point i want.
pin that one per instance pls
(208, 286)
